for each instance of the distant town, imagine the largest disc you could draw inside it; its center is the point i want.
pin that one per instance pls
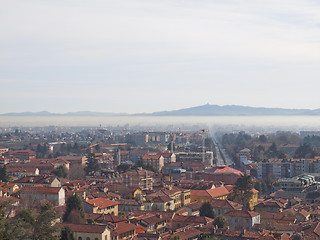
(121, 183)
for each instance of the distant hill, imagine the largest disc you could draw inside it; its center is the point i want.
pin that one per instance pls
(204, 110)
(235, 110)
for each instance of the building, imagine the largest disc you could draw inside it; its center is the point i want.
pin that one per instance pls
(296, 186)
(221, 173)
(273, 168)
(101, 205)
(22, 155)
(245, 157)
(223, 206)
(181, 197)
(160, 203)
(21, 171)
(168, 157)
(154, 160)
(138, 178)
(208, 195)
(33, 195)
(47, 181)
(240, 219)
(195, 157)
(89, 232)
(129, 205)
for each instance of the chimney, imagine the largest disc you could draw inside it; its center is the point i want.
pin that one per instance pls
(243, 231)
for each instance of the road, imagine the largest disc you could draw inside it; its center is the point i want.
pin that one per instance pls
(222, 158)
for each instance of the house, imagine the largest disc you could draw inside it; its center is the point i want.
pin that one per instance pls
(180, 221)
(168, 157)
(209, 194)
(221, 173)
(180, 196)
(128, 205)
(267, 218)
(241, 219)
(223, 206)
(193, 209)
(47, 181)
(160, 203)
(138, 178)
(92, 232)
(123, 231)
(22, 155)
(154, 160)
(189, 233)
(9, 188)
(154, 223)
(269, 205)
(20, 170)
(74, 161)
(55, 195)
(101, 205)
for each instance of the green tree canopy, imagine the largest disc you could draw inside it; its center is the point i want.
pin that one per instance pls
(3, 174)
(242, 190)
(206, 210)
(304, 151)
(66, 233)
(74, 202)
(43, 227)
(60, 172)
(123, 167)
(92, 164)
(220, 221)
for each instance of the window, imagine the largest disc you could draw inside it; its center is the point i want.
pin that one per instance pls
(96, 239)
(87, 238)
(79, 238)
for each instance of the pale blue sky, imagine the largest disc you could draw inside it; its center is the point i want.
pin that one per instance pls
(152, 55)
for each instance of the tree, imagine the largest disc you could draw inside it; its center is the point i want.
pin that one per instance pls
(220, 221)
(242, 190)
(3, 174)
(74, 203)
(43, 227)
(207, 236)
(66, 233)
(272, 151)
(304, 151)
(92, 164)
(123, 167)
(206, 210)
(263, 139)
(60, 172)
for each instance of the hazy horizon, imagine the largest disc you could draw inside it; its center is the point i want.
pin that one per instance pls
(293, 123)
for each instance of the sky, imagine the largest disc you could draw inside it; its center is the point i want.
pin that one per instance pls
(151, 55)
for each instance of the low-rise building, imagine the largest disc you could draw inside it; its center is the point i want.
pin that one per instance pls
(154, 160)
(208, 195)
(101, 205)
(33, 195)
(240, 219)
(92, 232)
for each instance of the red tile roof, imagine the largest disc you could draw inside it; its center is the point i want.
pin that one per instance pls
(86, 228)
(41, 189)
(102, 202)
(242, 214)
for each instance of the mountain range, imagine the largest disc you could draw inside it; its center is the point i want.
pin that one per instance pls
(203, 110)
